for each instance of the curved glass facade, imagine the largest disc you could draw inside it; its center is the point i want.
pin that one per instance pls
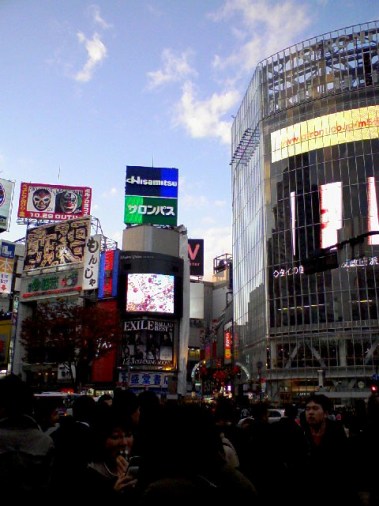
(305, 178)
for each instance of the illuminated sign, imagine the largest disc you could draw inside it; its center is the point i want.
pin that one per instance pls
(196, 256)
(108, 273)
(330, 213)
(329, 130)
(228, 341)
(151, 182)
(53, 202)
(154, 211)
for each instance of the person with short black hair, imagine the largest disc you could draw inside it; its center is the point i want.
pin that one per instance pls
(328, 461)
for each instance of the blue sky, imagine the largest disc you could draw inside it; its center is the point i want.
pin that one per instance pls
(90, 87)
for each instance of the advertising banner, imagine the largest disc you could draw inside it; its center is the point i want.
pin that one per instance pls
(148, 343)
(6, 197)
(151, 182)
(228, 343)
(55, 283)
(91, 262)
(7, 253)
(328, 130)
(53, 202)
(152, 211)
(148, 379)
(196, 256)
(58, 244)
(108, 273)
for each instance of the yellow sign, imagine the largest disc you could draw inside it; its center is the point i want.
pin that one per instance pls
(329, 130)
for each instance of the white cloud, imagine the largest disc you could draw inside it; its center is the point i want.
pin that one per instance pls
(204, 118)
(265, 26)
(98, 19)
(188, 201)
(96, 51)
(110, 193)
(175, 69)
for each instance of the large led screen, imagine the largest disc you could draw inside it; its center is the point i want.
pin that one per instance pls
(150, 293)
(151, 284)
(329, 130)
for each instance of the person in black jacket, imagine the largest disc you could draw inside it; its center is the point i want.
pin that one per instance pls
(328, 465)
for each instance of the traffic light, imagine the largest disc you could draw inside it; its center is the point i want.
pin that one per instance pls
(374, 387)
(320, 261)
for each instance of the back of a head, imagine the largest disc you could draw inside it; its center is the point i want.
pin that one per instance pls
(125, 402)
(225, 411)
(16, 398)
(83, 408)
(290, 411)
(260, 411)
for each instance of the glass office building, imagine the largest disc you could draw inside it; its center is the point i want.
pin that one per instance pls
(305, 182)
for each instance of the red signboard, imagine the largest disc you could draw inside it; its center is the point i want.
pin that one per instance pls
(53, 202)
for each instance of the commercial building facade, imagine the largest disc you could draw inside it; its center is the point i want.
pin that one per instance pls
(305, 179)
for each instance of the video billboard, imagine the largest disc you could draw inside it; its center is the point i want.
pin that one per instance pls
(57, 244)
(53, 202)
(329, 130)
(150, 284)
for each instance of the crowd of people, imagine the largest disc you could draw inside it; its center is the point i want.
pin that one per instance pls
(137, 450)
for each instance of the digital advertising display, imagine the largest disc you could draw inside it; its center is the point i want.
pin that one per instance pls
(150, 284)
(53, 202)
(329, 130)
(150, 293)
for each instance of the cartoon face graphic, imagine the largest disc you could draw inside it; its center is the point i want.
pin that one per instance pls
(41, 199)
(68, 202)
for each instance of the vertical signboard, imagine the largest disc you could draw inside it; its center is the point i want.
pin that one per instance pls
(91, 262)
(7, 253)
(108, 273)
(196, 256)
(228, 343)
